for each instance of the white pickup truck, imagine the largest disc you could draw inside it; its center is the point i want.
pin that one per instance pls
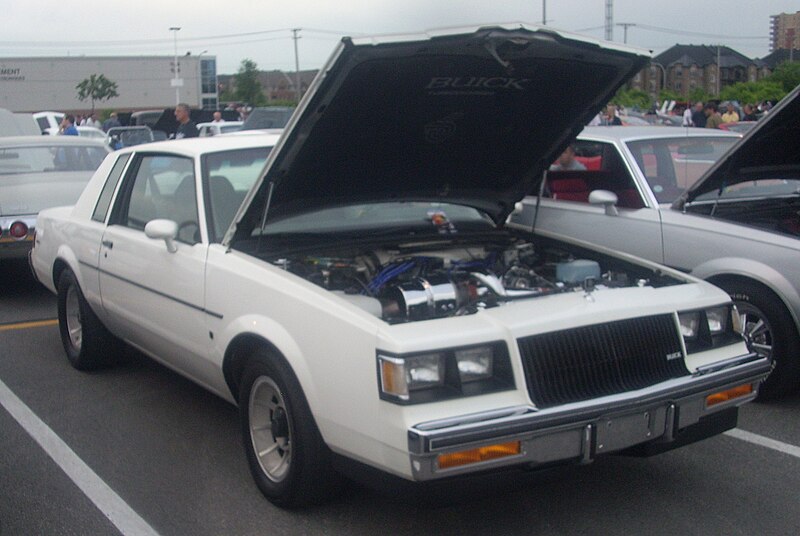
(360, 299)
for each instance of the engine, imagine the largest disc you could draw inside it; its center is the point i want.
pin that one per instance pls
(419, 282)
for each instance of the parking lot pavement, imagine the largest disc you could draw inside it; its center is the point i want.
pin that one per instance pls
(172, 453)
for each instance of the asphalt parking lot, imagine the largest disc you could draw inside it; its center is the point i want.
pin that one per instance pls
(137, 449)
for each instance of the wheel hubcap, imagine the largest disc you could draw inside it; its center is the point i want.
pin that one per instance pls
(270, 431)
(73, 318)
(757, 330)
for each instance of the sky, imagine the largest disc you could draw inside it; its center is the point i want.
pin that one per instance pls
(261, 30)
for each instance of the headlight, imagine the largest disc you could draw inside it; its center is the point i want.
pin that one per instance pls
(709, 328)
(431, 376)
(690, 324)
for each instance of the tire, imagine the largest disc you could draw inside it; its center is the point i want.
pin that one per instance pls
(770, 331)
(87, 342)
(294, 468)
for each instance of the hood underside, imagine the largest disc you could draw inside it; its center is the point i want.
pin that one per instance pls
(469, 117)
(770, 150)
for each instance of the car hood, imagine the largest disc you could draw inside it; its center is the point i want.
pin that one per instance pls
(771, 149)
(467, 116)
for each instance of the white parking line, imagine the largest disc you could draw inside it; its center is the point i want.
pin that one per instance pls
(756, 439)
(107, 501)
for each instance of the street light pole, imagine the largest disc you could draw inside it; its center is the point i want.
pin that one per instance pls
(176, 81)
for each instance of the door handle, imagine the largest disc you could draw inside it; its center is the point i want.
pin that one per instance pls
(108, 243)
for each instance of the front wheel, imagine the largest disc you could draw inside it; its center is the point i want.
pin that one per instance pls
(87, 342)
(770, 331)
(288, 459)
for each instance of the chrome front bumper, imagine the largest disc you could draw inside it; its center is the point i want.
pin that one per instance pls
(580, 431)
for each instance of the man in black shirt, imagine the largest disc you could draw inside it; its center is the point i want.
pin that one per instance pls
(186, 128)
(699, 115)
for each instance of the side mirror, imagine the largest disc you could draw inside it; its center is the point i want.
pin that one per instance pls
(605, 198)
(165, 230)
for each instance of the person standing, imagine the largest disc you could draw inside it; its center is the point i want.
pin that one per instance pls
(611, 115)
(699, 115)
(687, 117)
(218, 117)
(713, 119)
(111, 122)
(68, 126)
(749, 113)
(730, 116)
(186, 127)
(92, 121)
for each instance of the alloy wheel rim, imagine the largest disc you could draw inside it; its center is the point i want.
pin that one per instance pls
(270, 431)
(756, 329)
(73, 318)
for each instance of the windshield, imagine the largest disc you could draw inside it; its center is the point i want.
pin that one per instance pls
(40, 159)
(671, 165)
(756, 188)
(441, 218)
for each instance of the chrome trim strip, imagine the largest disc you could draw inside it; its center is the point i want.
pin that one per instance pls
(153, 291)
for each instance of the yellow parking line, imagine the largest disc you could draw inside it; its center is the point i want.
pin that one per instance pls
(27, 325)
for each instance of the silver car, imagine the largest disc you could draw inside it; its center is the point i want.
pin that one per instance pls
(737, 227)
(38, 172)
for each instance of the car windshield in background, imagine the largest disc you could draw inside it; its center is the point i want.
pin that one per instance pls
(671, 165)
(382, 217)
(40, 159)
(755, 189)
(268, 117)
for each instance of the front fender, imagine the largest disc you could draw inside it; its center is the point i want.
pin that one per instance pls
(267, 329)
(756, 271)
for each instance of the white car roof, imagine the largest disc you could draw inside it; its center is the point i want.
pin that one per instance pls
(621, 133)
(199, 146)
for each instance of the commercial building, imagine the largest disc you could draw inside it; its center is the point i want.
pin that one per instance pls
(49, 83)
(784, 31)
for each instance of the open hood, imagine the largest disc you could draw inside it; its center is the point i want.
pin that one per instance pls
(468, 116)
(771, 149)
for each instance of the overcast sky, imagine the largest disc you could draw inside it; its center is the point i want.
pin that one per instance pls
(260, 30)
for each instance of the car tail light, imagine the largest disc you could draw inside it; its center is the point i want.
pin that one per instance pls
(18, 230)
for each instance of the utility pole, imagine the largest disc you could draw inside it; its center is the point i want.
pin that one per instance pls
(296, 64)
(544, 12)
(177, 82)
(609, 20)
(625, 26)
(719, 80)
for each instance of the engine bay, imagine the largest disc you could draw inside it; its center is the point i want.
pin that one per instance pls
(411, 281)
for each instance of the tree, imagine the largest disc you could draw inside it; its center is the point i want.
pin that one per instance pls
(96, 88)
(787, 74)
(754, 92)
(248, 88)
(632, 98)
(698, 94)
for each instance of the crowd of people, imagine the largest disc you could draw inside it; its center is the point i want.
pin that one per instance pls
(708, 115)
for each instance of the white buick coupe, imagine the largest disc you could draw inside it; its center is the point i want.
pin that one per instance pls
(354, 290)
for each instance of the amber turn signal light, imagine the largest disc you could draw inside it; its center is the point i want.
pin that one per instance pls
(481, 454)
(730, 394)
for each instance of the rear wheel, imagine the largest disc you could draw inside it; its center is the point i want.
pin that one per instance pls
(288, 459)
(87, 343)
(771, 332)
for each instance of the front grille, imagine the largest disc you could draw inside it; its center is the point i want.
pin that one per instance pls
(604, 359)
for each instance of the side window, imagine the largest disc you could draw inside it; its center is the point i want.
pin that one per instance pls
(163, 187)
(587, 166)
(101, 209)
